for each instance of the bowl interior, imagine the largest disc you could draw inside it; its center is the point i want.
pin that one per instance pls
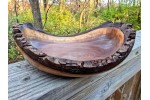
(96, 44)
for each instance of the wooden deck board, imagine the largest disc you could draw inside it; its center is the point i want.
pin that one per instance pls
(26, 82)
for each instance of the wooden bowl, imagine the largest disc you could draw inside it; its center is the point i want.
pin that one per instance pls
(84, 54)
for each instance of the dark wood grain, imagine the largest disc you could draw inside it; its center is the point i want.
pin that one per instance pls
(25, 34)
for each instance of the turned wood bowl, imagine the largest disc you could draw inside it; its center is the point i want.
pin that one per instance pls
(83, 54)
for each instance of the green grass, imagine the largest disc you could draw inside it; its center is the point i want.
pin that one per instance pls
(67, 23)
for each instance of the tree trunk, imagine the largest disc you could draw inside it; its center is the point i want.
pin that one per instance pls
(108, 4)
(99, 4)
(45, 4)
(15, 9)
(120, 6)
(36, 13)
(139, 14)
(46, 13)
(96, 4)
(61, 2)
(91, 4)
(23, 5)
(96, 7)
(133, 2)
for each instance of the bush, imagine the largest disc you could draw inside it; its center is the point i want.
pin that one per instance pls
(61, 23)
(126, 14)
(67, 23)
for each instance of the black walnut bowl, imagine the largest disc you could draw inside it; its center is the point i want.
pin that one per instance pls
(84, 54)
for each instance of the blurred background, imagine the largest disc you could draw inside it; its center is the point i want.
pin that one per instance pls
(67, 17)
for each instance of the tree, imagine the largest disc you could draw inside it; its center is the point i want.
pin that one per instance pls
(61, 3)
(36, 13)
(45, 3)
(108, 4)
(119, 6)
(91, 4)
(46, 13)
(15, 9)
(139, 14)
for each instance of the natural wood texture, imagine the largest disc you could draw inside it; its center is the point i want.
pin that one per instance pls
(45, 4)
(93, 51)
(99, 44)
(36, 13)
(26, 82)
(15, 10)
(131, 90)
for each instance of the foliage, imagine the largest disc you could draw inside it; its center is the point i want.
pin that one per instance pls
(60, 23)
(13, 53)
(127, 14)
(67, 22)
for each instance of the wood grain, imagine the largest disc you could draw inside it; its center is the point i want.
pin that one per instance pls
(131, 90)
(69, 60)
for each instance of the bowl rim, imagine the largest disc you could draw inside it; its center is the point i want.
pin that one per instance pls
(77, 67)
